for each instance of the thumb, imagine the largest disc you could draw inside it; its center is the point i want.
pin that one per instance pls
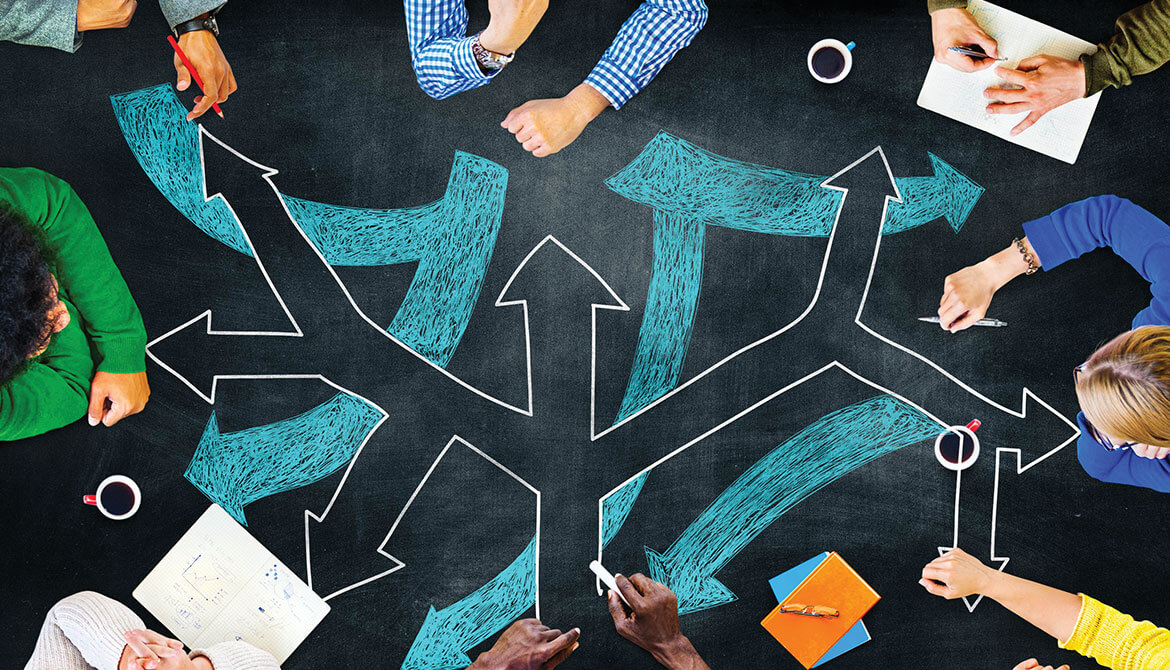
(615, 607)
(182, 77)
(97, 406)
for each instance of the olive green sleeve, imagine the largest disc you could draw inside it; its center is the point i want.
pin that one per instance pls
(934, 5)
(1140, 45)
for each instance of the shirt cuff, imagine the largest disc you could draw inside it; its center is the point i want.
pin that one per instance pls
(611, 82)
(1098, 73)
(178, 12)
(1086, 626)
(125, 356)
(237, 656)
(1040, 233)
(934, 5)
(61, 28)
(467, 66)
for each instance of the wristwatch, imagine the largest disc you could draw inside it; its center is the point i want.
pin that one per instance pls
(206, 23)
(489, 61)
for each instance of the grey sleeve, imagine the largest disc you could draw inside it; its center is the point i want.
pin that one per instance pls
(178, 11)
(85, 625)
(42, 23)
(237, 656)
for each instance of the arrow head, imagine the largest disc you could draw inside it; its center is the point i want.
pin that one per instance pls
(869, 174)
(223, 166)
(1042, 420)
(435, 648)
(178, 350)
(999, 563)
(551, 270)
(333, 568)
(695, 592)
(959, 193)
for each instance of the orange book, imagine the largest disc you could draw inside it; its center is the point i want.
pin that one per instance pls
(832, 584)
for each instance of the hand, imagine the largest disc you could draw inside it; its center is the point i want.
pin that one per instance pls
(1046, 82)
(511, 23)
(1033, 664)
(528, 645)
(102, 14)
(966, 296)
(957, 28)
(546, 126)
(143, 649)
(113, 397)
(1149, 451)
(960, 574)
(219, 82)
(652, 623)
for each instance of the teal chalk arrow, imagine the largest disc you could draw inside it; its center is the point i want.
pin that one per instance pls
(451, 239)
(820, 454)
(690, 188)
(448, 633)
(234, 469)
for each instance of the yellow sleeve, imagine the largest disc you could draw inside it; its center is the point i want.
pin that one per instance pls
(1116, 641)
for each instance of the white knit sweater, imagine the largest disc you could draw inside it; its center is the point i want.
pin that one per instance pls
(84, 632)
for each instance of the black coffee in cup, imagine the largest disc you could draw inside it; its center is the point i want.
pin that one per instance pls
(117, 498)
(956, 448)
(828, 62)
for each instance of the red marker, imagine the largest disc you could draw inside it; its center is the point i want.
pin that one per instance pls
(194, 73)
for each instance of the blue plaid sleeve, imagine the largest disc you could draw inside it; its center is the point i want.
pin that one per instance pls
(440, 49)
(645, 43)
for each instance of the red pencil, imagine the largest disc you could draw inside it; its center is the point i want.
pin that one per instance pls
(191, 69)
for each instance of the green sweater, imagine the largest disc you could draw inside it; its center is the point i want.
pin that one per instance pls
(1140, 45)
(105, 332)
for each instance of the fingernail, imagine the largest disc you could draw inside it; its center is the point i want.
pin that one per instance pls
(93, 420)
(577, 631)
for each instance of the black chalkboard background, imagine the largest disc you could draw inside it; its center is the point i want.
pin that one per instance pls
(327, 96)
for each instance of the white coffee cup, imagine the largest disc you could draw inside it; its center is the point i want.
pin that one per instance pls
(846, 51)
(962, 432)
(119, 480)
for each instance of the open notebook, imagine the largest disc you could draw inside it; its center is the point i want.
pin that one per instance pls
(219, 584)
(959, 95)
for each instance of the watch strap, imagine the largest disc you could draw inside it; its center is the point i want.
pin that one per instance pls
(206, 23)
(488, 60)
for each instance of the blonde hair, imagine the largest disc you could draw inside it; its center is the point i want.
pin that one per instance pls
(1124, 387)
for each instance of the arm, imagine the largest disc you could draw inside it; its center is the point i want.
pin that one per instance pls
(951, 25)
(440, 50)
(87, 625)
(1121, 466)
(528, 645)
(45, 23)
(1140, 45)
(645, 43)
(957, 574)
(1115, 640)
(202, 49)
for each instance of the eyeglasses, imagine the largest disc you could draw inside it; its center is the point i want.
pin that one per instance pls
(811, 610)
(1097, 435)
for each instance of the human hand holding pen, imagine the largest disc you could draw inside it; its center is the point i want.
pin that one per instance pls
(954, 28)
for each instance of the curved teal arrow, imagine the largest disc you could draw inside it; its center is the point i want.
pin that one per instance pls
(820, 454)
(447, 634)
(234, 469)
(690, 188)
(452, 239)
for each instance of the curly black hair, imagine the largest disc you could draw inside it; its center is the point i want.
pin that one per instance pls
(26, 295)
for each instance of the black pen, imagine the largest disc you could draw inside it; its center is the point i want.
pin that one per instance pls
(973, 52)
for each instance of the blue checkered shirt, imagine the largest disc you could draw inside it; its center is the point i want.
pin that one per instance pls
(445, 65)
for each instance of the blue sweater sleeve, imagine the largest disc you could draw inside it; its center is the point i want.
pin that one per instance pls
(1136, 235)
(1120, 466)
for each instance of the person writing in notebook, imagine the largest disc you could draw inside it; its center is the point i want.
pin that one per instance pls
(72, 341)
(1079, 623)
(447, 61)
(1124, 387)
(1043, 82)
(62, 25)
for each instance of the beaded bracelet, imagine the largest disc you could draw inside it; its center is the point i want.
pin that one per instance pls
(1028, 258)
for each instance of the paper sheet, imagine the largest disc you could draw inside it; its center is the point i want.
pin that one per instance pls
(959, 95)
(219, 584)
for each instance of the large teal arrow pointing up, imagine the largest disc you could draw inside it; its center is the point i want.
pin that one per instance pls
(690, 188)
(448, 633)
(234, 469)
(820, 454)
(451, 239)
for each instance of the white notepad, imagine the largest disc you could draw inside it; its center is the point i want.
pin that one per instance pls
(219, 584)
(959, 95)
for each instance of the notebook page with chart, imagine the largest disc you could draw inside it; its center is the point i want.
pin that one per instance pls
(219, 584)
(959, 95)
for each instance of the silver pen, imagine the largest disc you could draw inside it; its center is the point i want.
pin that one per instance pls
(994, 323)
